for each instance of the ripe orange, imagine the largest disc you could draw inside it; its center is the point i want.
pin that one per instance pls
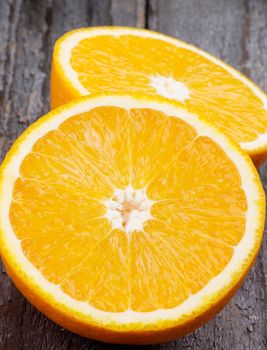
(119, 59)
(127, 218)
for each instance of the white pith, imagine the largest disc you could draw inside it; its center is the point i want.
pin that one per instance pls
(128, 209)
(71, 41)
(12, 246)
(170, 88)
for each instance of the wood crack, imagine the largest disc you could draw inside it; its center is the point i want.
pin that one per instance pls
(245, 38)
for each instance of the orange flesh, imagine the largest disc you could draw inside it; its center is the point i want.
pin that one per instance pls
(58, 212)
(127, 63)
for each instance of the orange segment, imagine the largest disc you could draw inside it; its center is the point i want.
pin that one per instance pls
(196, 167)
(102, 277)
(57, 252)
(155, 141)
(130, 60)
(193, 258)
(102, 135)
(124, 211)
(222, 220)
(157, 256)
(97, 60)
(195, 190)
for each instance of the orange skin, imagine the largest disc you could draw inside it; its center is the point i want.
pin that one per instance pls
(62, 91)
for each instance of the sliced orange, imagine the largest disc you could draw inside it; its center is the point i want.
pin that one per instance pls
(119, 59)
(128, 219)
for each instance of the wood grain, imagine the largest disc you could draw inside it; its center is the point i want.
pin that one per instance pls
(235, 30)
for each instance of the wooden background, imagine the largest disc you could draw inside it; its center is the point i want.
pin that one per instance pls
(234, 30)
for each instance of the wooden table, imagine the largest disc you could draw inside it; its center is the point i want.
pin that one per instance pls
(234, 30)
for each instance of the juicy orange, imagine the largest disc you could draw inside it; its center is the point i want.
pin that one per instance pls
(128, 219)
(117, 59)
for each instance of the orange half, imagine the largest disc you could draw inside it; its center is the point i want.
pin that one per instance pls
(119, 59)
(128, 219)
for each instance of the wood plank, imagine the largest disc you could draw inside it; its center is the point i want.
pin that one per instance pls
(4, 30)
(215, 26)
(235, 31)
(128, 13)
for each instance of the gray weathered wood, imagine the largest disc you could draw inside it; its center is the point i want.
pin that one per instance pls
(235, 30)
